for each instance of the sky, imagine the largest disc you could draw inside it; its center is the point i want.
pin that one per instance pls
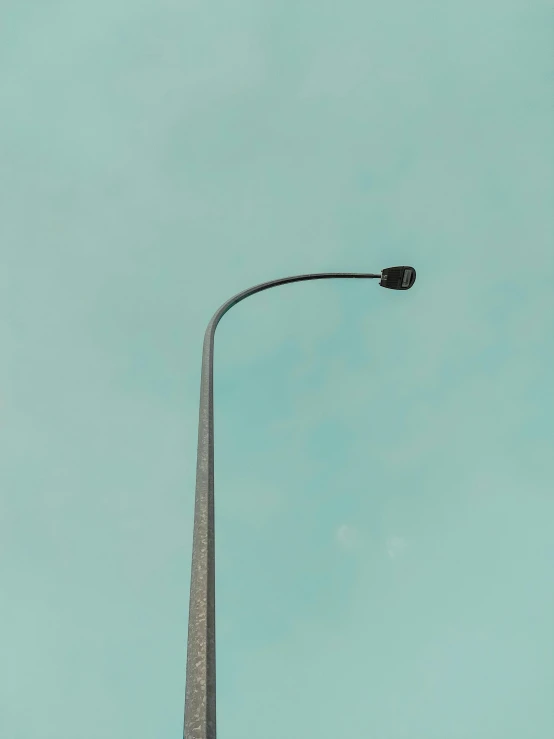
(383, 479)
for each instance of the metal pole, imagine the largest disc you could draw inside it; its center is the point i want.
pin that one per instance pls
(200, 705)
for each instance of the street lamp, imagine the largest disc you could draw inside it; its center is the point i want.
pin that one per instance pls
(200, 713)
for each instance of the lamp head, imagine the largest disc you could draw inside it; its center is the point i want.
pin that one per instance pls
(398, 278)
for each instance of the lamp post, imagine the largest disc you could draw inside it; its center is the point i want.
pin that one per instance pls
(200, 704)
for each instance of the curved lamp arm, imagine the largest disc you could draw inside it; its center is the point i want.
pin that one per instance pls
(200, 691)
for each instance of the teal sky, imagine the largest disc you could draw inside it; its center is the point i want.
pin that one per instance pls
(383, 475)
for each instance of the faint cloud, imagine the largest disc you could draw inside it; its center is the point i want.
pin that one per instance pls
(133, 524)
(347, 537)
(395, 546)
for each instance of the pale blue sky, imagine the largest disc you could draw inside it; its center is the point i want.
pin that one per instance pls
(384, 496)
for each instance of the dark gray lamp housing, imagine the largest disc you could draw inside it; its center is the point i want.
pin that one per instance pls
(398, 278)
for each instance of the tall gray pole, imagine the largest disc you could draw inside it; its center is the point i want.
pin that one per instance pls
(200, 718)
